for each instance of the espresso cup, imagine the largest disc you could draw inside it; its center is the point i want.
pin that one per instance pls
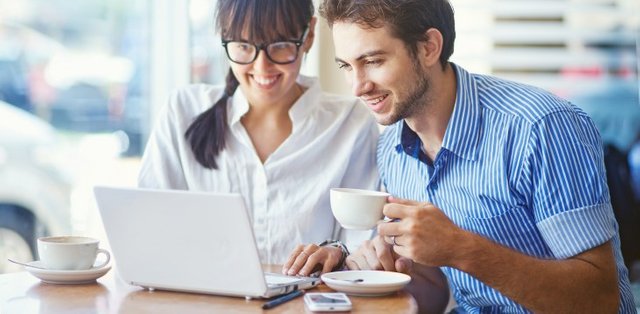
(70, 253)
(357, 209)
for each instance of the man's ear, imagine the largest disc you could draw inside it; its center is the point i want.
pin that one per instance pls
(306, 46)
(429, 51)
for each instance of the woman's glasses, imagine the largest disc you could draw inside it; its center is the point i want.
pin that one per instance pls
(281, 52)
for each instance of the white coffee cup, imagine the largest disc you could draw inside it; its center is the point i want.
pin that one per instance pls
(70, 253)
(357, 209)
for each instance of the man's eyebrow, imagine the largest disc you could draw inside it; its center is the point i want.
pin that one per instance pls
(364, 55)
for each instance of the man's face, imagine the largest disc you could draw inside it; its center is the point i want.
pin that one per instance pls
(381, 71)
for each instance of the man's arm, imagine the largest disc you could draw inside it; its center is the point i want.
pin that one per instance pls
(585, 283)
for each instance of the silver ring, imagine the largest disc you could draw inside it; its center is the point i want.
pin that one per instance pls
(393, 241)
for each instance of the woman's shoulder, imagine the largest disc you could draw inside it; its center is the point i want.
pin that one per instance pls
(333, 102)
(195, 98)
(200, 88)
(344, 104)
(186, 103)
(338, 99)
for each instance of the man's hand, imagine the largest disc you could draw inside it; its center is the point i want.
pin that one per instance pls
(305, 260)
(428, 284)
(376, 254)
(422, 232)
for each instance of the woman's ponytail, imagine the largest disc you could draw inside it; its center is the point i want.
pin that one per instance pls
(207, 133)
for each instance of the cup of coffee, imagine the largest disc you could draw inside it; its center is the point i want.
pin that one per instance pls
(70, 253)
(357, 209)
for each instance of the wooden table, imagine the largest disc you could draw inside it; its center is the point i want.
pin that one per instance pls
(23, 293)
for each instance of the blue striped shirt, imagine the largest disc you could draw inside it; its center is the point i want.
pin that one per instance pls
(518, 166)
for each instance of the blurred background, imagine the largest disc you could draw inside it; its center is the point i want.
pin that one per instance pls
(82, 80)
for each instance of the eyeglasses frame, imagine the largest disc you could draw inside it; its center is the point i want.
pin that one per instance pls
(263, 47)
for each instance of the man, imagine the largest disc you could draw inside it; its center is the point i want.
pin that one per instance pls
(498, 185)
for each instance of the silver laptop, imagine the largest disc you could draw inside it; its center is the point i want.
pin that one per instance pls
(187, 241)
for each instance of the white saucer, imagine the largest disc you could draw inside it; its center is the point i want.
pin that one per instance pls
(66, 277)
(374, 282)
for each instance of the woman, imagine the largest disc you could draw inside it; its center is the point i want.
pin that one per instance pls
(278, 140)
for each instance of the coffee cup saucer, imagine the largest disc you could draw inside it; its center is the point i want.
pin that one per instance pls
(65, 277)
(366, 282)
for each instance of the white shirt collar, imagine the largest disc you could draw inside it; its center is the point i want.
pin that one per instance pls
(238, 106)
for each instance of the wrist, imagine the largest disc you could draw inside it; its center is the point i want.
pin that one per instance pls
(468, 250)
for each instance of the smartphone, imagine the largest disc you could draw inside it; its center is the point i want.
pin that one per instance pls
(327, 301)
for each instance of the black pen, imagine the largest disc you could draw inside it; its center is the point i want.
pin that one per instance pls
(282, 299)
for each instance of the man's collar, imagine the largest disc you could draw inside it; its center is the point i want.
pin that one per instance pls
(463, 131)
(410, 143)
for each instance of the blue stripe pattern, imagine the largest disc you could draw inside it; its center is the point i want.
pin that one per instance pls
(519, 166)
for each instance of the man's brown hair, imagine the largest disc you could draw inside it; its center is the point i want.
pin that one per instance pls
(408, 20)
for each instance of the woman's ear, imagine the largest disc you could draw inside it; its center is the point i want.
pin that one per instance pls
(306, 46)
(429, 51)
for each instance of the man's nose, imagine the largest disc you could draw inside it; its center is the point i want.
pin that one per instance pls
(360, 84)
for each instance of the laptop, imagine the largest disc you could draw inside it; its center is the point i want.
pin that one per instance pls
(188, 241)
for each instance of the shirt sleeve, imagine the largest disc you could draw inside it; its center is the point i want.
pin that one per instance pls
(161, 166)
(566, 183)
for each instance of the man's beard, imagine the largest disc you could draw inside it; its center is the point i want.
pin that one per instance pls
(416, 100)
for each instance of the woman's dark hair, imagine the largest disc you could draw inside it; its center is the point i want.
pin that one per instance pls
(258, 21)
(408, 20)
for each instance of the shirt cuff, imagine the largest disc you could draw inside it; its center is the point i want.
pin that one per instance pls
(572, 232)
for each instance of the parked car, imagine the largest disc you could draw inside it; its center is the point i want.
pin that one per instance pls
(22, 52)
(97, 92)
(35, 188)
(13, 83)
(76, 90)
(88, 108)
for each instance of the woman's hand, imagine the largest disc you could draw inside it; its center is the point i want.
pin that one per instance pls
(377, 254)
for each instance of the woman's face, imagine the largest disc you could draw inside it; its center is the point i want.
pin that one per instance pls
(265, 83)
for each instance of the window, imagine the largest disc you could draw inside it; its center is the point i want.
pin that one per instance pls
(582, 50)
(74, 99)
(208, 62)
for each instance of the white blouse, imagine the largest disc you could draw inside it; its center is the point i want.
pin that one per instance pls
(332, 144)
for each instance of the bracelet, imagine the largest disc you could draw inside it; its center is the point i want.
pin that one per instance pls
(343, 248)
